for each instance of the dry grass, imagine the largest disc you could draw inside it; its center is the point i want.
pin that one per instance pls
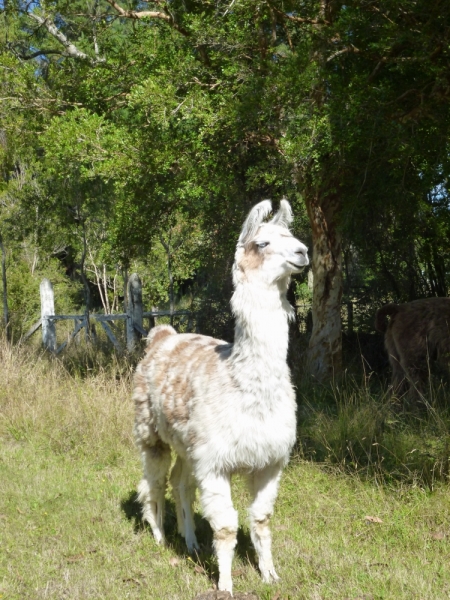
(40, 399)
(70, 527)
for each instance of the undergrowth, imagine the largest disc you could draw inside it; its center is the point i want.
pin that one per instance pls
(354, 425)
(374, 434)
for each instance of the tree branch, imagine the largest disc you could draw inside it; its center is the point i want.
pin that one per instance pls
(37, 53)
(71, 49)
(350, 48)
(152, 14)
(298, 19)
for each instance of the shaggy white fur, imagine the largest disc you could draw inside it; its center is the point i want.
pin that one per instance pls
(224, 408)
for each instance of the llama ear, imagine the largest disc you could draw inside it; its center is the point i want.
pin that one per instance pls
(255, 217)
(284, 216)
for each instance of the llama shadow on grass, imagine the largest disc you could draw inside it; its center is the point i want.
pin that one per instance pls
(203, 560)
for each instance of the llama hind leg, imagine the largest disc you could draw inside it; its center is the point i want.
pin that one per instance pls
(399, 383)
(152, 488)
(183, 485)
(264, 486)
(215, 496)
(175, 477)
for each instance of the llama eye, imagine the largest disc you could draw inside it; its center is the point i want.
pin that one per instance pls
(262, 244)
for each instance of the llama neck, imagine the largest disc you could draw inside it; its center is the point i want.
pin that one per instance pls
(259, 352)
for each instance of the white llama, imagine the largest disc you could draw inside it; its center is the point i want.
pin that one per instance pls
(224, 408)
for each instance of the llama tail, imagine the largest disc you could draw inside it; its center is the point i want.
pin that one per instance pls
(159, 333)
(381, 323)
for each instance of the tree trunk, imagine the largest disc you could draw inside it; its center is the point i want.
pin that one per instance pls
(325, 345)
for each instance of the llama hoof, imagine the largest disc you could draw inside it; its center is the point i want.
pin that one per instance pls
(160, 539)
(162, 542)
(193, 547)
(269, 575)
(225, 585)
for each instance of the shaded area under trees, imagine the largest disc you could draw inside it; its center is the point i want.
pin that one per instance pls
(133, 117)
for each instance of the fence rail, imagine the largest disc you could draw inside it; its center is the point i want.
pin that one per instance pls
(133, 318)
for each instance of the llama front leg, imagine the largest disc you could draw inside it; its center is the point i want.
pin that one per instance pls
(152, 488)
(264, 486)
(183, 486)
(215, 496)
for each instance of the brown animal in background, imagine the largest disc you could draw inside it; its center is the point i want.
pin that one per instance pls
(416, 334)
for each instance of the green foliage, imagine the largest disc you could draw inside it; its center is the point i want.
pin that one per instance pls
(183, 245)
(198, 118)
(25, 272)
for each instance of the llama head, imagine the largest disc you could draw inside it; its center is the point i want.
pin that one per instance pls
(267, 250)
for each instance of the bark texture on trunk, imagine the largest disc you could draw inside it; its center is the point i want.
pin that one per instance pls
(325, 345)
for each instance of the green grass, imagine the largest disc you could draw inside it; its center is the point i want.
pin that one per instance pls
(70, 527)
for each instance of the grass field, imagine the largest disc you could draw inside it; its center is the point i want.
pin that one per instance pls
(70, 527)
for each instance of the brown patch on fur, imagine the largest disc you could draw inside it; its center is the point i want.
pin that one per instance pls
(225, 534)
(177, 413)
(172, 378)
(210, 364)
(179, 349)
(139, 386)
(144, 428)
(193, 439)
(178, 385)
(159, 333)
(252, 259)
(177, 391)
(261, 526)
(418, 333)
(161, 378)
(148, 357)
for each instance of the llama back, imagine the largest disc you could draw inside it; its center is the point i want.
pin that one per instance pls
(159, 333)
(426, 318)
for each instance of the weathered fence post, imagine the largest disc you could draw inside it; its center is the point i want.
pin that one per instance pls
(48, 310)
(134, 312)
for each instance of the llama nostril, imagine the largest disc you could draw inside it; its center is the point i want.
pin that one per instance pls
(302, 253)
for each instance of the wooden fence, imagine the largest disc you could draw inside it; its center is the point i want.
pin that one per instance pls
(133, 318)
